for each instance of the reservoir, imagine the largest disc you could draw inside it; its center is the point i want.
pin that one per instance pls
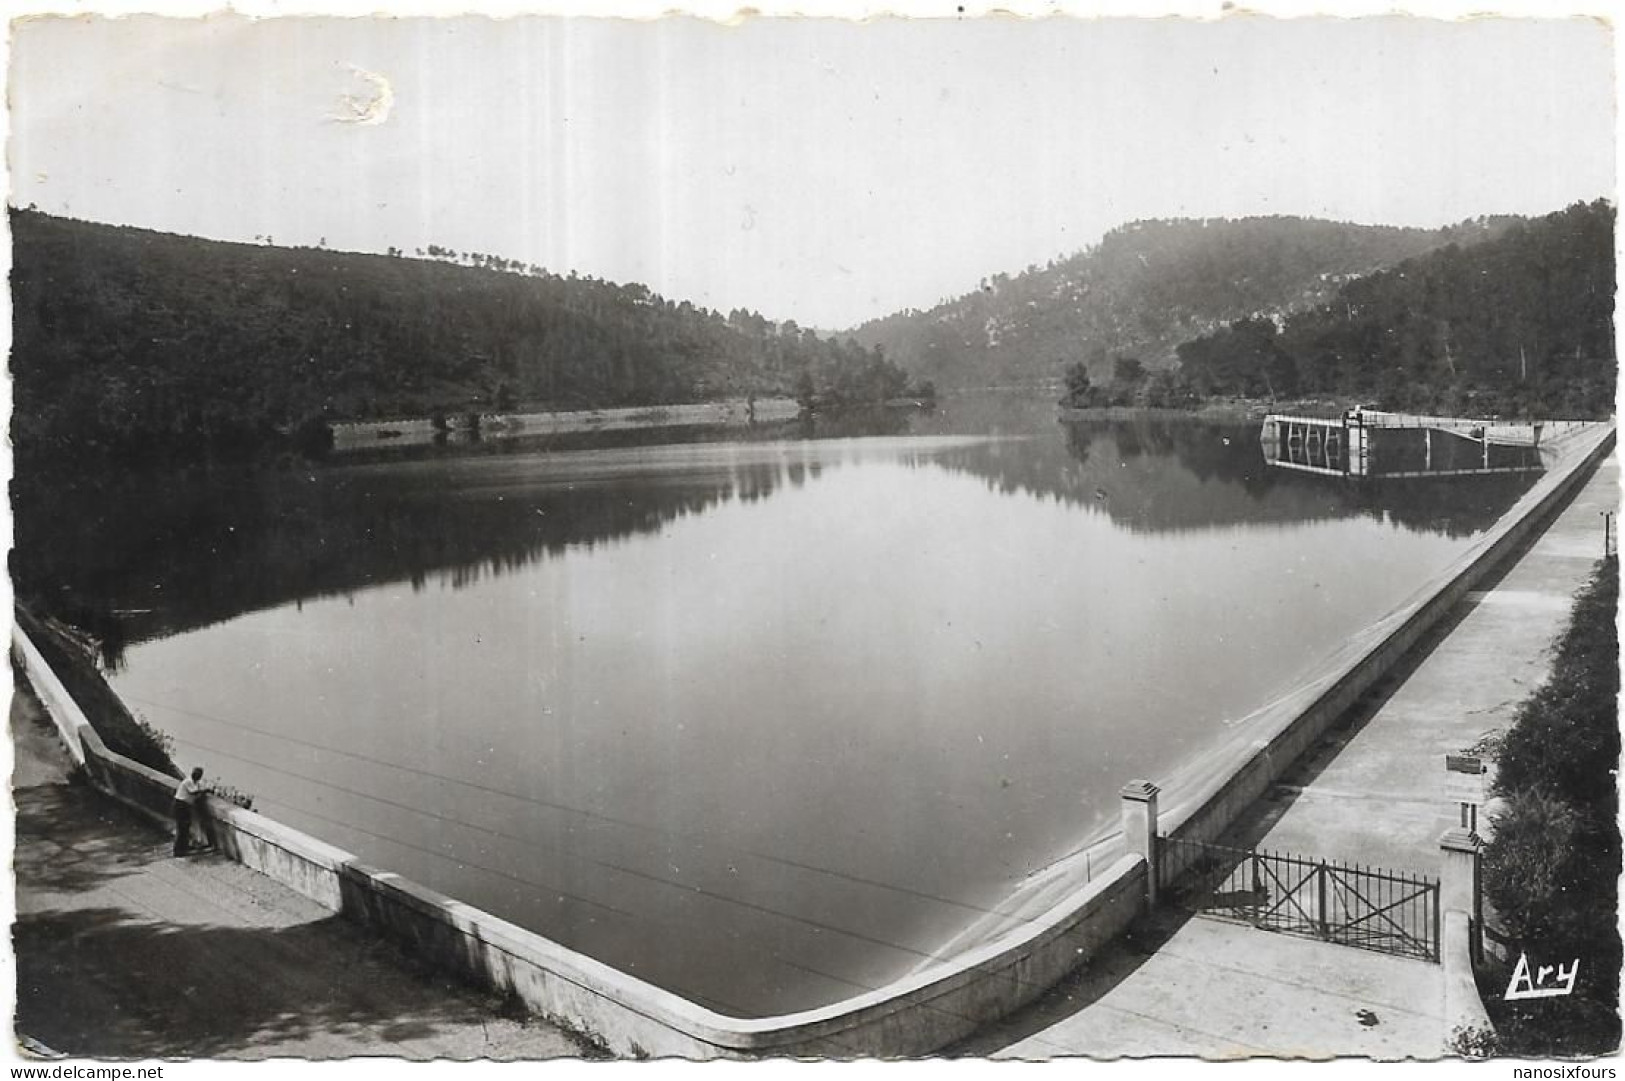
(767, 719)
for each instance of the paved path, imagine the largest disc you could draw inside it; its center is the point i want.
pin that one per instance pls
(124, 951)
(1375, 795)
(1216, 990)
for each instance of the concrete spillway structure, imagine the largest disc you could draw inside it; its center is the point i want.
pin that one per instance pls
(1371, 443)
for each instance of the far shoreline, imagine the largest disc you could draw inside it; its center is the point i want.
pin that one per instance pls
(1223, 409)
(410, 431)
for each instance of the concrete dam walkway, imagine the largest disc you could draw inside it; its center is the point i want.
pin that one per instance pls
(1377, 794)
(125, 952)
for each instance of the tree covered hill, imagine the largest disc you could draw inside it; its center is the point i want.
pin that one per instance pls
(1144, 289)
(1520, 323)
(128, 340)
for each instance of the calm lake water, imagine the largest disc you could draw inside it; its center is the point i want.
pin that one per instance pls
(765, 722)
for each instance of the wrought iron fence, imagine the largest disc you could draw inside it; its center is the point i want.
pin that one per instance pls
(1386, 911)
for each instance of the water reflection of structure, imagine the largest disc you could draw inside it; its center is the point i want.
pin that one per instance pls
(1171, 474)
(1370, 443)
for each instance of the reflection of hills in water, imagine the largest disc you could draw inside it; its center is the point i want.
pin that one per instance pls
(1160, 475)
(464, 444)
(142, 556)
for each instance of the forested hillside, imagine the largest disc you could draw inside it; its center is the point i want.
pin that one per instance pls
(1521, 323)
(1145, 288)
(129, 340)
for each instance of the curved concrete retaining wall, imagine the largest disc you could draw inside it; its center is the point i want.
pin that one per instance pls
(915, 1015)
(912, 1016)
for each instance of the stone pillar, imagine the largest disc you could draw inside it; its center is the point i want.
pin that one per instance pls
(1140, 830)
(1459, 879)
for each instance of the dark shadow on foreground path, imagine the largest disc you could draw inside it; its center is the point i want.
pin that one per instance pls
(126, 952)
(105, 983)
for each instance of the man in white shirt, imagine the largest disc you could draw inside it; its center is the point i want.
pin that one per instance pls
(186, 796)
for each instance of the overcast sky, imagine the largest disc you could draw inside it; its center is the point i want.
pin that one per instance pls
(809, 169)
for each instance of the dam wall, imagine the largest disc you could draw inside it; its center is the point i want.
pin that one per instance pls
(994, 969)
(1202, 799)
(1202, 802)
(913, 1016)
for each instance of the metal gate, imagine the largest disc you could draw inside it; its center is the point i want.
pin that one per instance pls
(1391, 912)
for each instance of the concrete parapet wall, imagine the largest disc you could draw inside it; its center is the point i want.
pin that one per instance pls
(58, 702)
(915, 1015)
(1238, 775)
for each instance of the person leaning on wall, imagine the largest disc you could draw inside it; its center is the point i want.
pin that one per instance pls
(187, 794)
